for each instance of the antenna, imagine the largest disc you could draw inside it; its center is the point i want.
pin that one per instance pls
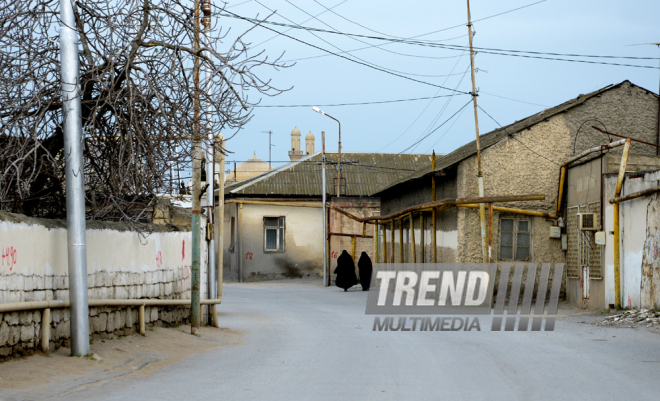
(270, 146)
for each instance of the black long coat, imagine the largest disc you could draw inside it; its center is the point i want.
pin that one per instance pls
(366, 269)
(345, 271)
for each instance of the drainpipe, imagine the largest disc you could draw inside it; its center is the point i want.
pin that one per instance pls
(75, 183)
(615, 207)
(433, 236)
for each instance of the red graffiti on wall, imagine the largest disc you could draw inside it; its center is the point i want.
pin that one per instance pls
(183, 250)
(9, 257)
(249, 255)
(334, 254)
(159, 259)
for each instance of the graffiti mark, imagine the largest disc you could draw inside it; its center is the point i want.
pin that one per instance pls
(249, 255)
(334, 254)
(183, 250)
(159, 259)
(9, 257)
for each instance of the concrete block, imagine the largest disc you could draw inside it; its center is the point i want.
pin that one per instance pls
(28, 283)
(101, 293)
(154, 314)
(3, 282)
(138, 291)
(5, 351)
(66, 282)
(15, 282)
(55, 315)
(48, 282)
(140, 278)
(103, 321)
(66, 314)
(93, 312)
(27, 333)
(25, 318)
(111, 322)
(62, 330)
(168, 289)
(14, 335)
(39, 295)
(36, 316)
(26, 296)
(121, 292)
(120, 319)
(38, 282)
(61, 295)
(111, 292)
(49, 295)
(91, 280)
(4, 332)
(4, 296)
(131, 291)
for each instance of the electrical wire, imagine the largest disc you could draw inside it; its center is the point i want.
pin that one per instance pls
(513, 100)
(344, 57)
(360, 103)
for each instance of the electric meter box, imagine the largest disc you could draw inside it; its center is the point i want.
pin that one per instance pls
(555, 232)
(600, 237)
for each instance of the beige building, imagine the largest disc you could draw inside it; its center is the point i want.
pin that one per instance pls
(525, 158)
(273, 222)
(296, 152)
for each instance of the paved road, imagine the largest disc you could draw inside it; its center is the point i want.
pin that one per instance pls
(306, 342)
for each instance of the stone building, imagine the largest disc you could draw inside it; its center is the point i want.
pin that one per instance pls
(296, 152)
(524, 158)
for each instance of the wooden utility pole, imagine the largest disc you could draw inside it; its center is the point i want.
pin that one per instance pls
(480, 177)
(198, 154)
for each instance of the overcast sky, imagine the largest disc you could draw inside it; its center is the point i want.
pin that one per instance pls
(586, 27)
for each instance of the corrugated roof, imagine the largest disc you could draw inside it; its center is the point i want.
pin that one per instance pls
(364, 173)
(493, 137)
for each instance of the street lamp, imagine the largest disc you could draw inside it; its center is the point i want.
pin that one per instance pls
(316, 109)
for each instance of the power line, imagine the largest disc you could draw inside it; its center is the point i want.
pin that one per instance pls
(501, 52)
(344, 57)
(359, 103)
(513, 100)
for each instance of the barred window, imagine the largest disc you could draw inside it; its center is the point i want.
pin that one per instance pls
(515, 239)
(274, 234)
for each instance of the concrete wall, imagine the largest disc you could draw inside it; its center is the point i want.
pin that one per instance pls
(121, 265)
(640, 240)
(248, 261)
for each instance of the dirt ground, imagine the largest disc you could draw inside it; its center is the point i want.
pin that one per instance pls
(111, 358)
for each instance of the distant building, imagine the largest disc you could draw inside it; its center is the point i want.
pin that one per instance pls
(296, 152)
(248, 169)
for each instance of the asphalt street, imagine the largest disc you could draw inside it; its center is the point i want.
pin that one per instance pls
(305, 342)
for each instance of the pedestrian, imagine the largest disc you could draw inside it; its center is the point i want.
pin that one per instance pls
(345, 271)
(366, 269)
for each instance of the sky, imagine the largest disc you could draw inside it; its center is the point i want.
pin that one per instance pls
(510, 88)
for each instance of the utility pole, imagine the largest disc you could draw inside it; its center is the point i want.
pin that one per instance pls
(198, 154)
(75, 183)
(270, 147)
(325, 228)
(480, 176)
(316, 109)
(210, 162)
(220, 211)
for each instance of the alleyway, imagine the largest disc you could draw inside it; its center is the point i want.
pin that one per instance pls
(302, 341)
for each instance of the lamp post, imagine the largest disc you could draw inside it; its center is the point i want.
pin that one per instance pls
(316, 109)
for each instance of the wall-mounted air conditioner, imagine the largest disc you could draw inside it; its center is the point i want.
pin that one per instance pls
(587, 221)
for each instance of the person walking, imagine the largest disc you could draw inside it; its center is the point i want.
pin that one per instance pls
(366, 269)
(345, 271)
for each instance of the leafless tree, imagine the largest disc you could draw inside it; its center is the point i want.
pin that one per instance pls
(137, 95)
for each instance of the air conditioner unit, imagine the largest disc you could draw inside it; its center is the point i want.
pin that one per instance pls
(588, 221)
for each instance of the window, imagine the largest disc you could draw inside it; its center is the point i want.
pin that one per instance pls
(274, 234)
(515, 239)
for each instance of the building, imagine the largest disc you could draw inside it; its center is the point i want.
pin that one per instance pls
(249, 168)
(523, 158)
(273, 222)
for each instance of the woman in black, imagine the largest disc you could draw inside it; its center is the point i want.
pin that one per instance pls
(345, 271)
(364, 264)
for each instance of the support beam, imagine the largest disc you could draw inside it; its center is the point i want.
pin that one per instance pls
(376, 253)
(434, 238)
(353, 248)
(401, 258)
(384, 243)
(617, 233)
(141, 324)
(392, 238)
(421, 238)
(413, 258)
(490, 233)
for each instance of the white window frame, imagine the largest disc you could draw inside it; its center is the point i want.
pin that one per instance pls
(514, 234)
(280, 234)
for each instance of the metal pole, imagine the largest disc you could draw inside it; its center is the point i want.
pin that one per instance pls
(210, 160)
(338, 160)
(75, 183)
(198, 154)
(433, 215)
(325, 227)
(480, 177)
(220, 211)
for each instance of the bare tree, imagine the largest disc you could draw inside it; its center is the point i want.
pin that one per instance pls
(137, 95)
